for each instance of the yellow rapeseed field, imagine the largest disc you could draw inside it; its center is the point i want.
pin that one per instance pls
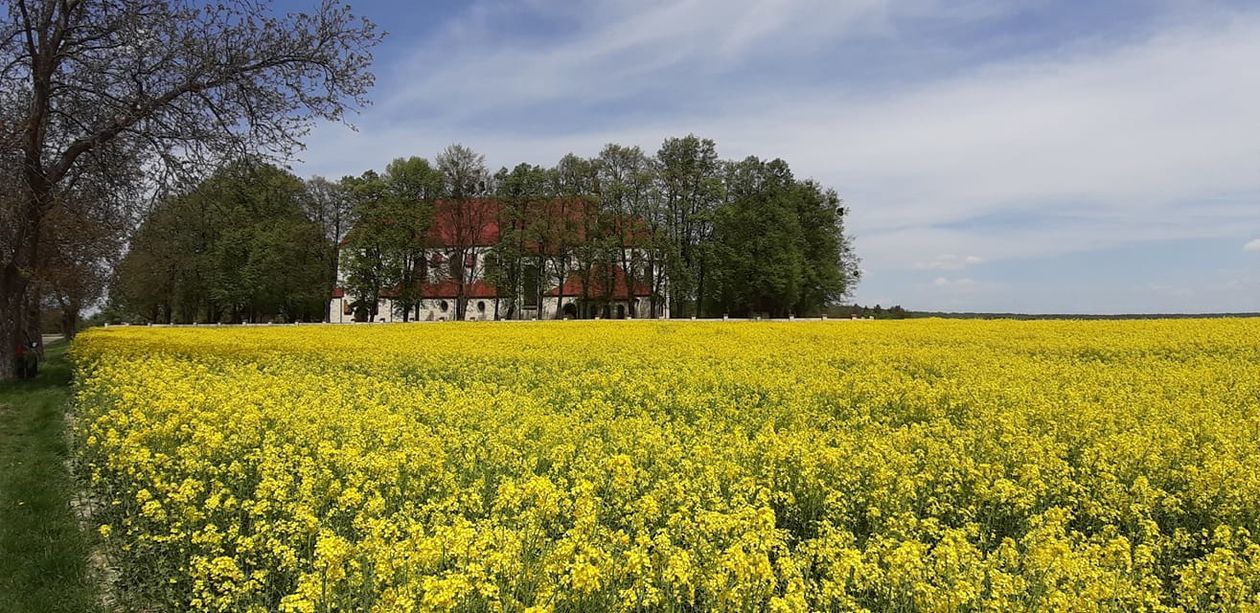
(913, 465)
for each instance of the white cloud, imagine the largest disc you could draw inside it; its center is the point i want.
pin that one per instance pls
(617, 48)
(1253, 245)
(964, 282)
(948, 261)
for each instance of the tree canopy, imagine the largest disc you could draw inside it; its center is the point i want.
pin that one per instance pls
(239, 247)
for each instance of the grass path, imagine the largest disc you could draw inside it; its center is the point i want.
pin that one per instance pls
(43, 554)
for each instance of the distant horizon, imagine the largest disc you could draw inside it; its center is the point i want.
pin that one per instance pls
(996, 157)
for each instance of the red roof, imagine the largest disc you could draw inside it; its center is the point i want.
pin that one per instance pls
(465, 223)
(447, 288)
(450, 289)
(339, 292)
(574, 284)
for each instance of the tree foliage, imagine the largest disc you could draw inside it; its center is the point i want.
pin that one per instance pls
(239, 247)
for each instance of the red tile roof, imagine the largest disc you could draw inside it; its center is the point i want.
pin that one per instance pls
(446, 288)
(450, 289)
(466, 223)
(574, 284)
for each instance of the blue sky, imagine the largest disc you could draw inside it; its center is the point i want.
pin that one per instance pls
(1032, 156)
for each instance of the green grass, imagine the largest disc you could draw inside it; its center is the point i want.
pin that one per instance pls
(43, 553)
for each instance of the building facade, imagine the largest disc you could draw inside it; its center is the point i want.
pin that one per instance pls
(553, 282)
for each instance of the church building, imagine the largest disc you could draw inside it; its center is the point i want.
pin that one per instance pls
(554, 282)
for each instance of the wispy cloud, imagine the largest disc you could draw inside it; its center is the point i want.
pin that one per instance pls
(962, 282)
(949, 262)
(1253, 245)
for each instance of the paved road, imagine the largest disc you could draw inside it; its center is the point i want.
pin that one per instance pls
(48, 339)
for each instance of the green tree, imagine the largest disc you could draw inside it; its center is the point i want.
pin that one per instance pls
(465, 216)
(236, 247)
(369, 258)
(778, 244)
(628, 196)
(412, 187)
(689, 174)
(756, 260)
(831, 266)
(522, 194)
(331, 207)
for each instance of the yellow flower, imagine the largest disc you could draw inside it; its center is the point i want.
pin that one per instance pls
(910, 465)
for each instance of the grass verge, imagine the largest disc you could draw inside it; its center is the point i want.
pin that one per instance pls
(43, 553)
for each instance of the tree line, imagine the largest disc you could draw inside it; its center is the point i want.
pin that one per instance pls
(713, 237)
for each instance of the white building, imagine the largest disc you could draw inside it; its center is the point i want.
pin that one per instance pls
(467, 231)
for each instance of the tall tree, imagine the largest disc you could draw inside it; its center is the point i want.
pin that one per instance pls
(522, 194)
(778, 244)
(413, 186)
(330, 206)
(82, 243)
(831, 265)
(629, 198)
(370, 256)
(162, 80)
(559, 222)
(691, 187)
(757, 264)
(464, 217)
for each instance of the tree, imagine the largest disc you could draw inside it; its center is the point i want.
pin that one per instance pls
(330, 207)
(629, 198)
(236, 247)
(690, 179)
(831, 266)
(86, 81)
(522, 194)
(412, 186)
(465, 216)
(757, 264)
(82, 243)
(372, 245)
(778, 244)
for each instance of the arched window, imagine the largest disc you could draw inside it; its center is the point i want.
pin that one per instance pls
(481, 306)
(442, 306)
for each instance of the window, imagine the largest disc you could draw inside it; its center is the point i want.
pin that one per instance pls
(345, 307)
(470, 261)
(442, 306)
(530, 299)
(481, 306)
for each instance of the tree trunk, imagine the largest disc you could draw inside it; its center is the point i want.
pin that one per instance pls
(332, 284)
(699, 291)
(69, 321)
(12, 296)
(15, 279)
